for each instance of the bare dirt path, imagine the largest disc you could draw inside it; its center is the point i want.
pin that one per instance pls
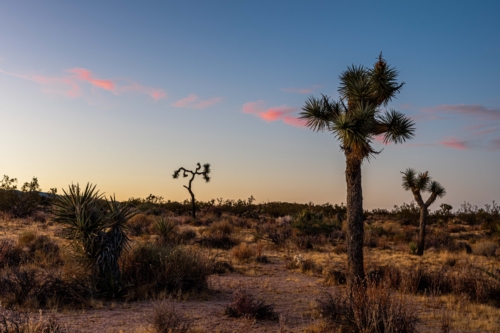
(292, 294)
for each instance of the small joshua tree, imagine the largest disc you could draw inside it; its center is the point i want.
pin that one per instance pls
(185, 173)
(417, 184)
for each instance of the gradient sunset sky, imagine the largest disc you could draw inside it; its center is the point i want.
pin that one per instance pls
(121, 94)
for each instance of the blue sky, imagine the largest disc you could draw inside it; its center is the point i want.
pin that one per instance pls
(122, 93)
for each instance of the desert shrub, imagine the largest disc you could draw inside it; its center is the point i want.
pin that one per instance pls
(373, 234)
(276, 232)
(454, 228)
(140, 224)
(314, 223)
(244, 305)
(168, 319)
(438, 238)
(186, 235)
(19, 203)
(39, 216)
(473, 215)
(335, 277)
(20, 322)
(39, 249)
(304, 242)
(223, 227)
(35, 288)
(485, 248)
(219, 236)
(221, 267)
(476, 284)
(408, 213)
(26, 238)
(450, 260)
(404, 235)
(380, 211)
(11, 255)
(153, 269)
(244, 252)
(309, 265)
(370, 309)
(218, 240)
(460, 246)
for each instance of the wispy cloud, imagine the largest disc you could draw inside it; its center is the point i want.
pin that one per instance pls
(86, 75)
(283, 113)
(454, 143)
(465, 109)
(73, 83)
(192, 101)
(307, 90)
(494, 144)
(481, 122)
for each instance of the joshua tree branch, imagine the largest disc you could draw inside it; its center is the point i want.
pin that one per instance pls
(417, 196)
(431, 199)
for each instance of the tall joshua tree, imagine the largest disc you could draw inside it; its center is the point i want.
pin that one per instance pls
(418, 184)
(355, 119)
(185, 173)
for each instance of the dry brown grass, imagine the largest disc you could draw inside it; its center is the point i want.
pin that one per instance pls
(462, 308)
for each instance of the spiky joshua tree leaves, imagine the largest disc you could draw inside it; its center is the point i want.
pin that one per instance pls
(197, 171)
(355, 119)
(96, 228)
(418, 183)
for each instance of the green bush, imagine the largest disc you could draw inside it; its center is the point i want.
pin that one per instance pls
(19, 203)
(314, 223)
(153, 270)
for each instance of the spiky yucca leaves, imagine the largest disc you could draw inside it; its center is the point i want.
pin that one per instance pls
(185, 173)
(97, 232)
(417, 184)
(356, 119)
(166, 230)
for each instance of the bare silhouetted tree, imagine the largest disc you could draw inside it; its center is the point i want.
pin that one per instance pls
(186, 173)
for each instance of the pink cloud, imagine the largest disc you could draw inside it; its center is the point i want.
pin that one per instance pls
(292, 121)
(86, 75)
(192, 102)
(72, 85)
(302, 90)
(254, 107)
(465, 109)
(274, 114)
(454, 143)
(207, 102)
(380, 139)
(282, 113)
(133, 87)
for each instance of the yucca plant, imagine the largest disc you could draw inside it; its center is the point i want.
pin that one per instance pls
(418, 183)
(166, 230)
(355, 119)
(96, 228)
(197, 171)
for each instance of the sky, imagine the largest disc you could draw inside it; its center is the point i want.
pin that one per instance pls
(122, 93)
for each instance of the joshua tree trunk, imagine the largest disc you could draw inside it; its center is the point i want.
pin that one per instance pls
(423, 219)
(193, 201)
(355, 230)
